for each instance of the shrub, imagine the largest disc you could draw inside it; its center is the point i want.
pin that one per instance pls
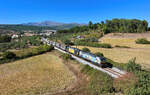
(100, 82)
(5, 38)
(115, 64)
(9, 55)
(66, 56)
(142, 86)
(44, 48)
(86, 50)
(99, 54)
(121, 46)
(67, 42)
(142, 41)
(125, 84)
(132, 66)
(92, 39)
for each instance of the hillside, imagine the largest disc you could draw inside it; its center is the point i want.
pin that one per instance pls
(36, 75)
(35, 27)
(21, 28)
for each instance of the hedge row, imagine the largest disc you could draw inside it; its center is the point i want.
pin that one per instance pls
(93, 44)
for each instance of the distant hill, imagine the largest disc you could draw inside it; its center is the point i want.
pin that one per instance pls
(55, 25)
(9, 29)
(36, 26)
(44, 23)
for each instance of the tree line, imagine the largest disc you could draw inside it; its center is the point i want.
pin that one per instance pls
(112, 26)
(125, 26)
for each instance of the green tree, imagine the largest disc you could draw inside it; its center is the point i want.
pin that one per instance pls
(90, 25)
(5, 38)
(99, 54)
(86, 50)
(67, 42)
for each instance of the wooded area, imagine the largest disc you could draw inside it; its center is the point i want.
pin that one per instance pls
(111, 26)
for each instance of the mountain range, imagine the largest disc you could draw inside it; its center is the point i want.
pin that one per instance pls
(57, 25)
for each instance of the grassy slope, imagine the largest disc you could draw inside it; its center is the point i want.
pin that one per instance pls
(39, 74)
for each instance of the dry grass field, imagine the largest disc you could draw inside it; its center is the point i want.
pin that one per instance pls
(35, 75)
(125, 39)
(130, 42)
(123, 55)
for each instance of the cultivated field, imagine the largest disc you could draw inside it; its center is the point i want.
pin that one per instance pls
(36, 75)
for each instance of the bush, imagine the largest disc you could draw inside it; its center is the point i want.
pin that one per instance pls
(9, 55)
(67, 42)
(5, 38)
(66, 56)
(121, 46)
(132, 66)
(99, 54)
(125, 84)
(142, 41)
(142, 87)
(86, 50)
(92, 39)
(100, 83)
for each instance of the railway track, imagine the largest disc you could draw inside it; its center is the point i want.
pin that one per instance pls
(113, 72)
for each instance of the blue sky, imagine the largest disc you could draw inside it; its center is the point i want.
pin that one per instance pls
(81, 11)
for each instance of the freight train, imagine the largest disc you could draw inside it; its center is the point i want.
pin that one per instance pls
(99, 61)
